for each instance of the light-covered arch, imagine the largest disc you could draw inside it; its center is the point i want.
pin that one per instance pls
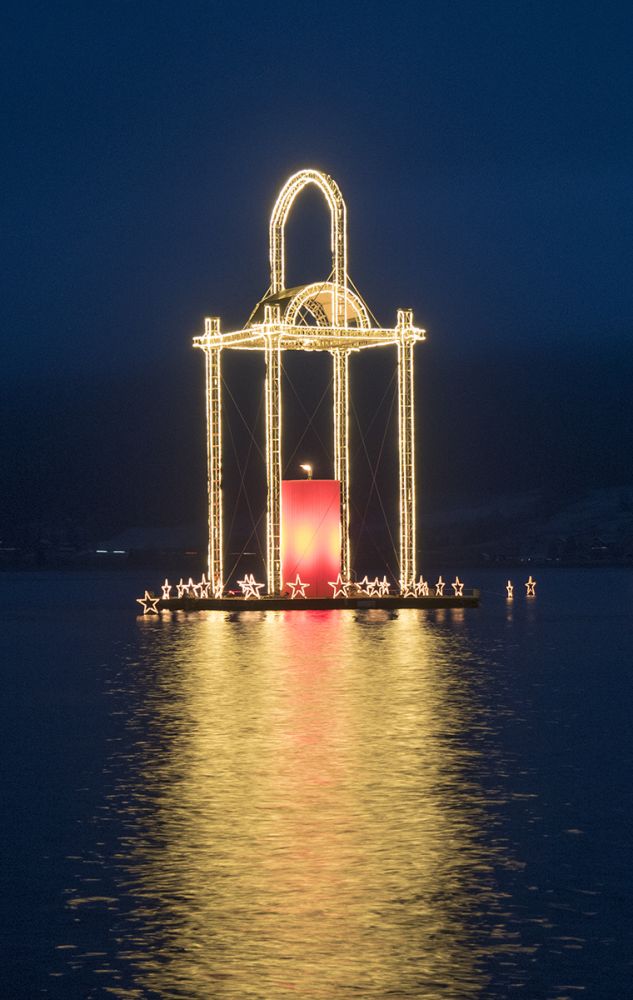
(338, 229)
(351, 306)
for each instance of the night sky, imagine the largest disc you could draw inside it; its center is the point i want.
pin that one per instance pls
(485, 152)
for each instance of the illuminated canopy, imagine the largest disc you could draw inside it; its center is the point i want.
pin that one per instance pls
(327, 315)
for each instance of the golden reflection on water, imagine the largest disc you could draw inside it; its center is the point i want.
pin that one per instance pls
(302, 814)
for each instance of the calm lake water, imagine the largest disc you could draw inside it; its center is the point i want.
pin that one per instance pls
(317, 805)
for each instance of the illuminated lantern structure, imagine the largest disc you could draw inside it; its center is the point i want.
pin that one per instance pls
(327, 315)
(311, 533)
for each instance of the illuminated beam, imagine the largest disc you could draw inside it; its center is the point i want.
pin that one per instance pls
(273, 454)
(214, 455)
(307, 338)
(406, 443)
(341, 449)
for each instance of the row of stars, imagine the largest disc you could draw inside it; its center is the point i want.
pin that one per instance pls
(530, 588)
(344, 588)
(251, 589)
(340, 588)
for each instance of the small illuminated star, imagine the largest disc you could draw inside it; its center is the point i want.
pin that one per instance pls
(383, 587)
(180, 587)
(439, 588)
(509, 590)
(458, 587)
(422, 587)
(530, 587)
(249, 587)
(409, 590)
(339, 589)
(298, 588)
(373, 587)
(202, 588)
(364, 586)
(149, 603)
(167, 589)
(217, 589)
(191, 588)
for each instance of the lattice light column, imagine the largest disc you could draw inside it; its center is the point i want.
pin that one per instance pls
(214, 454)
(406, 425)
(273, 453)
(341, 449)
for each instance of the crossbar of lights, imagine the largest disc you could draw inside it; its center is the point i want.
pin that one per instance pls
(343, 325)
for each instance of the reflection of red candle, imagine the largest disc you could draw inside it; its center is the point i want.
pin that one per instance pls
(311, 533)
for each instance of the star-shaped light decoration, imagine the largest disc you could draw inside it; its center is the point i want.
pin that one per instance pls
(166, 589)
(373, 587)
(298, 588)
(363, 586)
(439, 588)
(218, 589)
(383, 587)
(191, 588)
(422, 587)
(149, 603)
(458, 587)
(249, 587)
(339, 588)
(530, 587)
(202, 589)
(181, 587)
(509, 590)
(410, 590)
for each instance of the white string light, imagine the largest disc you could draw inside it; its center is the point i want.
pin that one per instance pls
(422, 587)
(339, 587)
(530, 587)
(149, 603)
(249, 587)
(298, 588)
(343, 325)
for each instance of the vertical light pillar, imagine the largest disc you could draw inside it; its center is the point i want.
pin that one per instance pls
(214, 454)
(273, 452)
(406, 440)
(341, 449)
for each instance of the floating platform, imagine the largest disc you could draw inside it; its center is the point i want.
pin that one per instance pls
(470, 599)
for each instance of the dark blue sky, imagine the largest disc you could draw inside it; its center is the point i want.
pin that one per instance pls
(485, 151)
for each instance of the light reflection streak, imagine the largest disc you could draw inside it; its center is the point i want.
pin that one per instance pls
(302, 810)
